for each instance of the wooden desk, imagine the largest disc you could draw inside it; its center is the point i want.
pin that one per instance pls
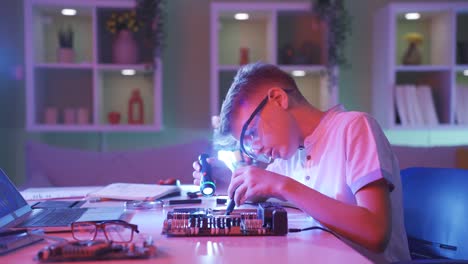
(313, 246)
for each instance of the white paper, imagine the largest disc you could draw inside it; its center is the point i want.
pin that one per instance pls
(45, 193)
(134, 191)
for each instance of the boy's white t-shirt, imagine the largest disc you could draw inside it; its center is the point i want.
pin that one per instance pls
(347, 151)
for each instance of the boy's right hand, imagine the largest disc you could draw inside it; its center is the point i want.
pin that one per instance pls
(221, 174)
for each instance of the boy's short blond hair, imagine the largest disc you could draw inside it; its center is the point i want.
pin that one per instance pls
(250, 81)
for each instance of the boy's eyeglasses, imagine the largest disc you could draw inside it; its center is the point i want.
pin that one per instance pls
(114, 230)
(250, 139)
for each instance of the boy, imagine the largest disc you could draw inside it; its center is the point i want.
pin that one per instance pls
(336, 166)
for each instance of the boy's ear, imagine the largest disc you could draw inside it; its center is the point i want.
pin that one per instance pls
(279, 96)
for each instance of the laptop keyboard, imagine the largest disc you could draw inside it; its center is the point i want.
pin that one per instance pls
(56, 217)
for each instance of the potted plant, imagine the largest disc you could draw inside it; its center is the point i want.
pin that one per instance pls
(123, 25)
(412, 55)
(338, 20)
(65, 53)
(152, 14)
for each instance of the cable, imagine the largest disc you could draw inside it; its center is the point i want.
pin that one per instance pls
(295, 230)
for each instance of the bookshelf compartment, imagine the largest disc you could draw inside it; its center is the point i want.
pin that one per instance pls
(302, 35)
(439, 82)
(461, 98)
(144, 50)
(225, 80)
(91, 84)
(462, 39)
(48, 21)
(253, 34)
(435, 29)
(63, 90)
(116, 90)
(269, 28)
(313, 85)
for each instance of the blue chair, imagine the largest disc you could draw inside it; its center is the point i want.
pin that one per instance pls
(435, 202)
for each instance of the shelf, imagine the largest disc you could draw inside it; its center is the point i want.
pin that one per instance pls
(306, 68)
(315, 89)
(462, 38)
(251, 34)
(63, 66)
(461, 98)
(119, 67)
(144, 50)
(74, 90)
(62, 90)
(422, 68)
(442, 27)
(91, 128)
(433, 27)
(295, 47)
(438, 81)
(48, 21)
(441, 136)
(117, 90)
(270, 28)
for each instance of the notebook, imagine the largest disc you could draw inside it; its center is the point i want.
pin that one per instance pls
(16, 213)
(135, 191)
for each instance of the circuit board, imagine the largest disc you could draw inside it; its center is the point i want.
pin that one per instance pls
(267, 220)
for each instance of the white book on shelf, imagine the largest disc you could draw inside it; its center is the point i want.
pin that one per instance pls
(401, 104)
(426, 103)
(460, 105)
(464, 102)
(415, 113)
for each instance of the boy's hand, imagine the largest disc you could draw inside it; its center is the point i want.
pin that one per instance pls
(253, 183)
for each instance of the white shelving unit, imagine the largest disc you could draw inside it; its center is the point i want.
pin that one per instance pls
(443, 28)
(92, 81)
(270, 28)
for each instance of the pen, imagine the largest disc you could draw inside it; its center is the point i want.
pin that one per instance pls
(185, 201)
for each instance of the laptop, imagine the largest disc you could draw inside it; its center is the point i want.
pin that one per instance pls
(16, 213)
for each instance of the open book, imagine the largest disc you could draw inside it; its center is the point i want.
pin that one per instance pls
(134, 191)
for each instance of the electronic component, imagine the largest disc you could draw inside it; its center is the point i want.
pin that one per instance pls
(267, 220)
(207, 185)
(95, 250)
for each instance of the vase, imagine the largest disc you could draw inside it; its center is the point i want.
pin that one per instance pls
(135, 108)
(65, 55)
(69, 116)
(244, 56)
(124, 48)
(82, 115)
(51, 115)
(412, 54)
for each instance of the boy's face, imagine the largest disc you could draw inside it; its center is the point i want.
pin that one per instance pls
(267, 129)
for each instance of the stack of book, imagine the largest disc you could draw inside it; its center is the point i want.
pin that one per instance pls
(415, 105)
(461, 108)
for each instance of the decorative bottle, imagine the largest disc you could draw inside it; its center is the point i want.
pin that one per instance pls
(244, 56)
(135, 108)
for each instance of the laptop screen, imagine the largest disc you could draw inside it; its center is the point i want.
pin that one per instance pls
(12, 204)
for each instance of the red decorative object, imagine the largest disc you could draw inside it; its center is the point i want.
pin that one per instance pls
(135, 108)
(113, 117)
(244, 56)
